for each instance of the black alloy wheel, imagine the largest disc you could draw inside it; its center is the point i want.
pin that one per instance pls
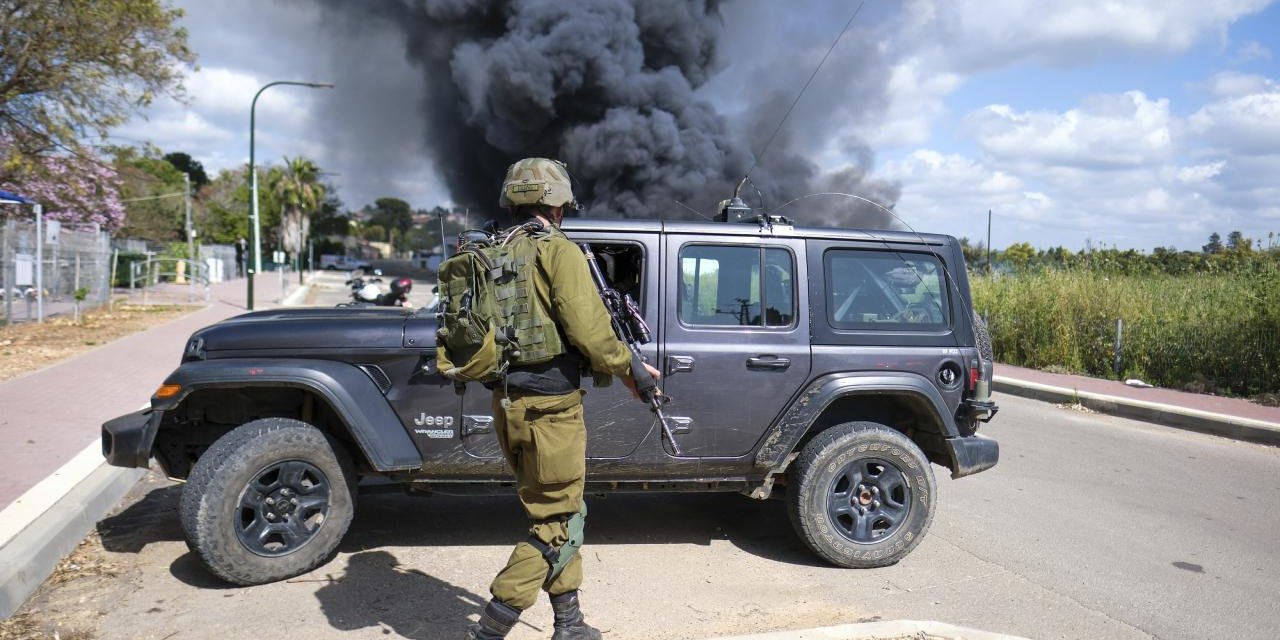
(869, 500)
(270, 500)
(861, 495)
(282, 508)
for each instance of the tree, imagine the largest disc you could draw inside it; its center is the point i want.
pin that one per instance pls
(1020, 253)
(152, 190)
(77, 67)
(222, 210)
(974, 254)
(299, 194)
(1215, 243)
(1238, 243)
(72, 190)
(394, 215)
(186, 164)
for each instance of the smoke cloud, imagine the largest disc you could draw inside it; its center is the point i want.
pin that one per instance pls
(620, 90)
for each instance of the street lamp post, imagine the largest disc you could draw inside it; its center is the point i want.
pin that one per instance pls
(255, 236)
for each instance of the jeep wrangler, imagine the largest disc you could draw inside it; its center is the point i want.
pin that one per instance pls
(828, 367)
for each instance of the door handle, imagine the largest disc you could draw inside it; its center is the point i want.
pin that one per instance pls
(768, 363)
(677, 364)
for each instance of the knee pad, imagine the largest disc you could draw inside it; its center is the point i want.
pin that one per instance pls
(558, 557)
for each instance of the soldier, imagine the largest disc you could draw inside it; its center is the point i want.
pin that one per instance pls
(538, 412)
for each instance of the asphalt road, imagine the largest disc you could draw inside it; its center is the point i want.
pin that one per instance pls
(1090, 527)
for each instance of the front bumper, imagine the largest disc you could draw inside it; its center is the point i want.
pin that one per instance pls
(127, 440)
(971, 454)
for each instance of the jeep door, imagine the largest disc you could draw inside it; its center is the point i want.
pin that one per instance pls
(736, 338)
(616, 421)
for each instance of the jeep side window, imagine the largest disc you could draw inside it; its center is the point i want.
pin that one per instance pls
(723, 285)
(622, 265)
(885, 290)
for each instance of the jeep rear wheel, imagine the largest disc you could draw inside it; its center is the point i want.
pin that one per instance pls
(863, 495)
(269, 500)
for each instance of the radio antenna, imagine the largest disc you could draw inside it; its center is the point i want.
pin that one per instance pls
(758, 156)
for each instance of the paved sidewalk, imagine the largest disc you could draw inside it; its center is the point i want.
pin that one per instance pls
(1229, 417)
(52, 414)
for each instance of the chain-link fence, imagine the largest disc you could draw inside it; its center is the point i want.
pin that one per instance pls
(74, 266)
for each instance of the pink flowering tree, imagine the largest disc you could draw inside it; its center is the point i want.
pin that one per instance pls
(73, 189)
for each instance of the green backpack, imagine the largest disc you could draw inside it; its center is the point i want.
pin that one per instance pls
(489, 317)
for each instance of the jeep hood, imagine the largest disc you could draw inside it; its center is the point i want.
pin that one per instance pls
(311, 328)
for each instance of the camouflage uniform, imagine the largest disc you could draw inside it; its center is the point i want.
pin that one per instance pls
(543, 436)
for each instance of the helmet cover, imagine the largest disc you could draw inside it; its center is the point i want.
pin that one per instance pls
(537, 181)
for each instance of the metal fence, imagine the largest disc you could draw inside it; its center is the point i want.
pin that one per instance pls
(75, 263)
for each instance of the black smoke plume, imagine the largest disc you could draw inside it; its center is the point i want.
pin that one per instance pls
(610, 87)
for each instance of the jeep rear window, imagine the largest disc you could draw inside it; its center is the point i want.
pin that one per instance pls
(722, 285)
(885, 290)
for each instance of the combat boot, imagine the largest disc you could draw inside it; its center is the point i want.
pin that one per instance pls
(569, 623)
(495, 622)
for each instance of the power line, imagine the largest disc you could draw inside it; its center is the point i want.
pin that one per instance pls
(162, 196)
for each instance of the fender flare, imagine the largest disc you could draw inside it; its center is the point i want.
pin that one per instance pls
(359, 402)
(781, 439)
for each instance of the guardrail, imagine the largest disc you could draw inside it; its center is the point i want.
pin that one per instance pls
(153, 271)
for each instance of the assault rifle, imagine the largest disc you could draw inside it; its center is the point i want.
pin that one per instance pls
(632, 330)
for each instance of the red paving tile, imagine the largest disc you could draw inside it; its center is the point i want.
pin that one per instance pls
(48, 416)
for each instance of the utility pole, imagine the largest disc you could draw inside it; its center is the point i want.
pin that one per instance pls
(39, 264)
(444, 249)
(191, 241)
(988, 242)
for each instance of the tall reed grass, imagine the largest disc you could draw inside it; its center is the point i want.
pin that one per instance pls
(1217, 332)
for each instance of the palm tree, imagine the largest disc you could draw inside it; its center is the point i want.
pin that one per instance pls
(297, 188)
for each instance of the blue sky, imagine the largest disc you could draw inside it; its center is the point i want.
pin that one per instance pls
(1139, 123)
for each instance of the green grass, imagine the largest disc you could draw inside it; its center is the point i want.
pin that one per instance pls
(1217, 333)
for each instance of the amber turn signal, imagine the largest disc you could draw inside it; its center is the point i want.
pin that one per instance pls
(168, 390)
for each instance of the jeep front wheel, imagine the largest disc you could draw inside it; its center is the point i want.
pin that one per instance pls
(269, 500)
(862, 495)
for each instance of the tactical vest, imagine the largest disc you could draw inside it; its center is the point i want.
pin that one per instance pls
(490, 317)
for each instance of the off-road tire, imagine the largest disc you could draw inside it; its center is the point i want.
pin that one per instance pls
(211, 499)
(821, 469)
(982, 338)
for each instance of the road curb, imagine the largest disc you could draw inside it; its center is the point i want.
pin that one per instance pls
(296, 297)
(887, 629)
(1163, 414)
(31, 553)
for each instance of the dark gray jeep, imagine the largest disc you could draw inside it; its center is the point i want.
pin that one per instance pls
(830, 367)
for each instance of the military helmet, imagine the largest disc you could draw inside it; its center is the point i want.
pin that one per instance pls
(537, 181)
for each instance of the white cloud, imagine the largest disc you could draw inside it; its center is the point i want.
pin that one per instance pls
(1229, 84)
(1126, 130)
(1247, 123)
(916, 96)
(1200, 172)
(223, 91)
(976, 34)
(1115, 169)
(1251, 51)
